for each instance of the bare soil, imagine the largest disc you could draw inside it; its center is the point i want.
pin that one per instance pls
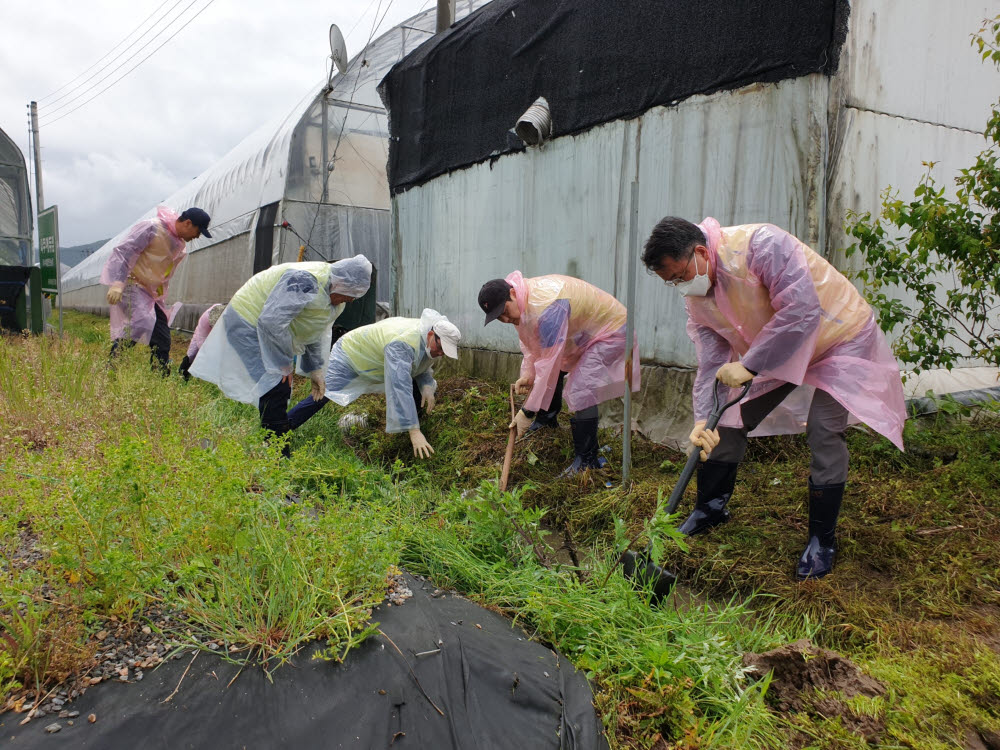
(814, 680)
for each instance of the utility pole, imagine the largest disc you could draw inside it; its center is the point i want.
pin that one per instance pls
(445, 14)
(38, 159)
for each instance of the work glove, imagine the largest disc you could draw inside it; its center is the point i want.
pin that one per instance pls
(522, 422)
(733, 374)
(421, 448)
(185, 366)
(114, 295)
(318, 384)
(704, 439)
(523, 385)
(427, 398)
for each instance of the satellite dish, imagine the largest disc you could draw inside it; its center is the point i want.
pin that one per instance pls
(338, 49)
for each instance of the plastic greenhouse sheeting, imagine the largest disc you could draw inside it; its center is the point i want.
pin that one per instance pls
(477, 683)
(592, 64)
(15, 205)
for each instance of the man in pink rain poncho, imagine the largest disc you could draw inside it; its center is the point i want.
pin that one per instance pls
(205, 325)
(763, 306)
(137, 274)
(572, 335)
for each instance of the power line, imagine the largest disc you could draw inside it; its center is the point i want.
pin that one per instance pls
(124, 75)
(123, 40)
(82, 93)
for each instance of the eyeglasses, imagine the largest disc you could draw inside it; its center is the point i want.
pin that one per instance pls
(675, 282)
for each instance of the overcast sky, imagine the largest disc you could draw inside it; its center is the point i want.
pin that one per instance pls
(238, 64)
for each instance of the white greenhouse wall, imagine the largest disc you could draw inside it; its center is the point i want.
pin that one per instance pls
(913, 59)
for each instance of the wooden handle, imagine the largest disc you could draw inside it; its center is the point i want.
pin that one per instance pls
(505, 474)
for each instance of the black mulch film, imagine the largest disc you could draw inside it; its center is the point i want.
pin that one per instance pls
(494, 687)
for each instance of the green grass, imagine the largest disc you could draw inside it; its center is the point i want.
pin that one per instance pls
(141, 491)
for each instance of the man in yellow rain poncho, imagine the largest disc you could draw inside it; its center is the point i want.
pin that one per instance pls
(393, 356)
(279, 314)
(569, 331)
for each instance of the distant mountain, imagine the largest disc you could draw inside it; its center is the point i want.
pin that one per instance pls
(70, 256)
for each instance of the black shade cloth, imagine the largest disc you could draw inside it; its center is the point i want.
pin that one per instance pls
(496, 688)
(453, 100)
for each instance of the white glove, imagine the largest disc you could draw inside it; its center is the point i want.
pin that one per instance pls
(114, 295)
(421, 448)
(521, 421)
(733, 374)
(704, 439)
(523, 385)
(427, 398)
(318, 385)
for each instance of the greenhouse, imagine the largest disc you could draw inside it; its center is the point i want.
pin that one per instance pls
(320, 168)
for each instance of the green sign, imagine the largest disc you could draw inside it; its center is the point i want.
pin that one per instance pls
(48, 248)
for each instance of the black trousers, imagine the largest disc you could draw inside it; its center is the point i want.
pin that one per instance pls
(549, 415)
(159, 343)
(273, 407)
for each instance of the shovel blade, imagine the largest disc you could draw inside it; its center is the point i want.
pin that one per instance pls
(642, 572)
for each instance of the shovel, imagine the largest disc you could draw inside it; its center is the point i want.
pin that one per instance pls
(636, 566)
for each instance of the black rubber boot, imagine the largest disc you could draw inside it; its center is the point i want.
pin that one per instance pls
(824, 507)
(585, 446)
(716, 480)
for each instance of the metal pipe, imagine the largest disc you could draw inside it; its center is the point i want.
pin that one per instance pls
(325, 172)
(445, 14)
(633, 245)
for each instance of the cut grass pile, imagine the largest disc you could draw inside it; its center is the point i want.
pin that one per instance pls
(120, 490)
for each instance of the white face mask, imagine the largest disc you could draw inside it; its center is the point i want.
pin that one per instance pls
(696, 287)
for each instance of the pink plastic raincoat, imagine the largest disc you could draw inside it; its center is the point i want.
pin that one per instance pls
(787, 314)
(141, 265)
(571, 326)
(201, 331)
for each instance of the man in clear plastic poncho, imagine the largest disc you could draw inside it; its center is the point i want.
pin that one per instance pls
(393, 356)
(281, 313)
(572, 336)
(204, 327)
(763, 306)
(137, 274)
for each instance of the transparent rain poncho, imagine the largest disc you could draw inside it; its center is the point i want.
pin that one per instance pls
(788, 315)
(141, 266)
(384, 357)
(568, 325)
(279, 314)
(204, 327)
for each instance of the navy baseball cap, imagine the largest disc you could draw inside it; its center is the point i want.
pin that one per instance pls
(493, 298)
(199, 218)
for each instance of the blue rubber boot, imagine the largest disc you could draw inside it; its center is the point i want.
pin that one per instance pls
(716, 480)
(824, 508)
